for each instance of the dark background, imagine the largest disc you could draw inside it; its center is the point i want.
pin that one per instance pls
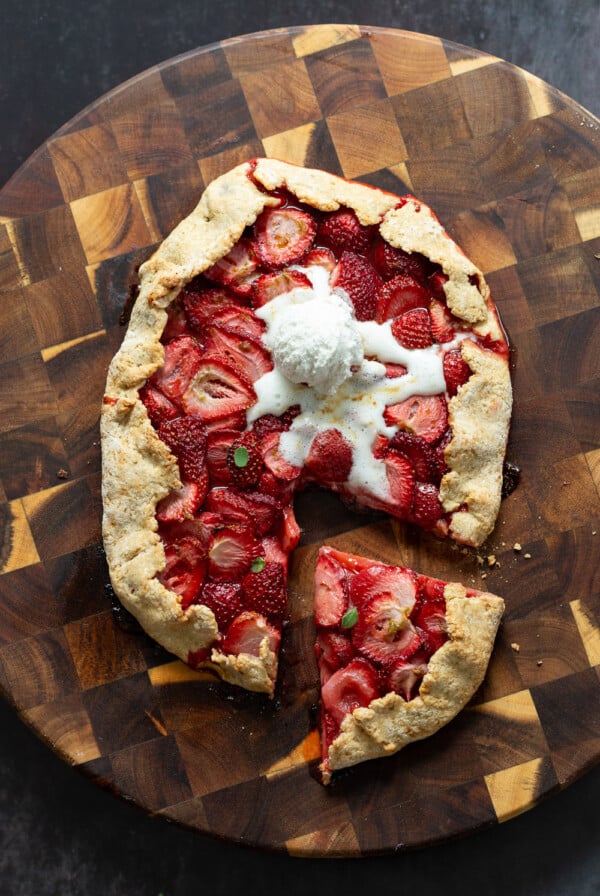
(59, 834)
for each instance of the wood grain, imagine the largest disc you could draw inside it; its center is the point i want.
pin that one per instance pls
(511, 167)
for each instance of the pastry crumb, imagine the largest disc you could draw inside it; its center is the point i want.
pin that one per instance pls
(62, 474)
(491, 560)
(516, 647)
(539, 663)
(517, 547)
(527, 556)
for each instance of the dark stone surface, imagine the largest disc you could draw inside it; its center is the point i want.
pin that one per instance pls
(60, 835)
(58, 57)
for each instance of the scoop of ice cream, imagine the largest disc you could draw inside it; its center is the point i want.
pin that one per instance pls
(314, 340)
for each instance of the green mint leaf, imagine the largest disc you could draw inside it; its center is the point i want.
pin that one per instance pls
(350, 618)
(241, 456)
(258, 564)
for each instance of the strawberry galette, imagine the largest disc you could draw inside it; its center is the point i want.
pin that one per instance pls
(295, 328)
(399, 654)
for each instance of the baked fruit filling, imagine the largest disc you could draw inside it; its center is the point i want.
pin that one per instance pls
(378, 629)
(228, 529)
(313, 351)
(296, 329)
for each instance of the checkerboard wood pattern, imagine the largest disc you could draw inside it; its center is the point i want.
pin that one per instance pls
(513, 170)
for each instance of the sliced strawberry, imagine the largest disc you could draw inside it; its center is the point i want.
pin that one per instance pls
(176, 324)
(360, 281)
(330, 457)
(186, 437)
(199, 526)
(342, 231)
(381, 447)
(264, 590)
(205, 524)
(203, 301)
(271, 549)
(405, 676)
(259, 512)
(350, 562)
(456, 371)
(277, 464)
(185, 568)
(218, 389)
(443, 323)
(247, 633)
(244, 460)
(158, 406)
(230, 506)
(392, 262)
(217, 446)
(269, 286)
(399, 295)
(350, 687)
(230, 552)
(289, 415)
(290, 530)
(239, 320)
(264, 512)
(430, 589)
(225, 601)
(283, 236)
(436, 285)
(266, 424)
(331, 592)
(182, 503)
(321, 257)
(237, 269)
(392, 581)
(413, 329)
(333, 650)
(401, 480)
(181, 361)
(430, 617)
(418, 452)
(395, 370)
(281, 490)
(383, 631)
(236, 420)
(424, 415)
(427, 508)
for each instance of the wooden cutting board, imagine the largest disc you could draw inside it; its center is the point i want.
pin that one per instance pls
(513, 169)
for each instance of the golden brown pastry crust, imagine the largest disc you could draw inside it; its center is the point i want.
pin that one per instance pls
(455, 672)
(138, 469)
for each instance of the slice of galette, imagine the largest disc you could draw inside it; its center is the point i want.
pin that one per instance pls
(399, 654)
(295, 328)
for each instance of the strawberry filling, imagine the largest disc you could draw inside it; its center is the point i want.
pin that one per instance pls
(229, 528)
(351, 686)
(237, 269)
(378, 627)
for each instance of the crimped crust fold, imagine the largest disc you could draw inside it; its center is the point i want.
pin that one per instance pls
(479, 416)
